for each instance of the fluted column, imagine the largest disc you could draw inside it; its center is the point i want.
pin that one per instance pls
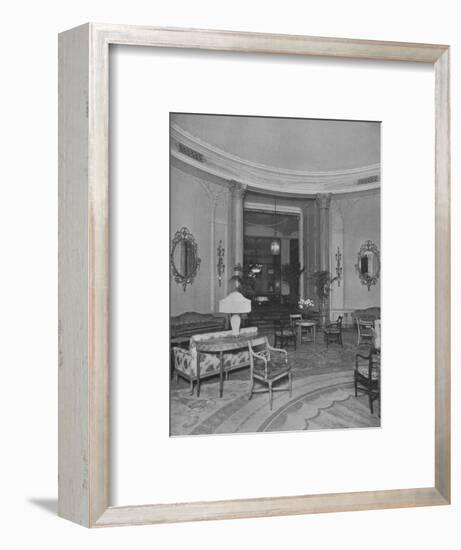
(323, 207)
(323, 204)
(305, 252)
(238, 193)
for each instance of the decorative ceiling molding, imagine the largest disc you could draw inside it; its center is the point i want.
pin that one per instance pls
(261, 177)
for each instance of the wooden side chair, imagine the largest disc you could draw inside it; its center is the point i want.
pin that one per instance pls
(367, 376)
(294, 318)
(268, 365)
(334, 331)
(284, 334)
(364, 331)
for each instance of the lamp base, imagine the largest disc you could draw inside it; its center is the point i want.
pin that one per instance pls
(235, 324)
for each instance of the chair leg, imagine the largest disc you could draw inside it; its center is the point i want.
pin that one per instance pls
(355, 385)
(192, 387)
(251, 390)
(271, 395)
(290, 379)
(176, 377)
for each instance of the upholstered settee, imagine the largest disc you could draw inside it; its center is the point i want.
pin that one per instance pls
(195, 366)
(190, 323)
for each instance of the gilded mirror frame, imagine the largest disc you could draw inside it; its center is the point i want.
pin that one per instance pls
(184, 235)
(365, 278)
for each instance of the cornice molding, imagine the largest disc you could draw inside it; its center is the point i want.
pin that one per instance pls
(269, 178)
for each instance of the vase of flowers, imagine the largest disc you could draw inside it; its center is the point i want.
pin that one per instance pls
(304, 304)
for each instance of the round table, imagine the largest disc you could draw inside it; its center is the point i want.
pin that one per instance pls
(311, 326)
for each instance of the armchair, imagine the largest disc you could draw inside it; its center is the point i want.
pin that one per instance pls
(364, 331)
(367, 376)
(268, 365)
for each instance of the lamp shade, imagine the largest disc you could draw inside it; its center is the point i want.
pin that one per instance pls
(235, 303)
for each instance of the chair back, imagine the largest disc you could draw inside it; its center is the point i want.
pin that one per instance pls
(365, 328)
(294, 318)
(377, 334)
(259, 346)
(364, 324)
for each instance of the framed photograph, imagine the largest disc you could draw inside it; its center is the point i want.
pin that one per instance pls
(254, 286)
(315, 301)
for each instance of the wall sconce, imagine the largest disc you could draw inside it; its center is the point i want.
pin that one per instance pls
(221, 265)
(339, 269)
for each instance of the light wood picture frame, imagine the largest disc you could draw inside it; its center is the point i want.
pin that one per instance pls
(84, 451)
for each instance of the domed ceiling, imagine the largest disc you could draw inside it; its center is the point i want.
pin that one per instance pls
(299, 155)
(296, 144)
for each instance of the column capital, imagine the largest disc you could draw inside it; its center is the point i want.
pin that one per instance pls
(323, 200)
(307, 205)
(237, 189)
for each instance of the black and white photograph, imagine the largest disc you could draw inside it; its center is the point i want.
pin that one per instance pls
(275, 274)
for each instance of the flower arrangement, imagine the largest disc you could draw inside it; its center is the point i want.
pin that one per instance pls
(305, 304)
(323, 281)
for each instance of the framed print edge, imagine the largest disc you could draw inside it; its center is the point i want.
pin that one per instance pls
(84, 484)
(442, 276)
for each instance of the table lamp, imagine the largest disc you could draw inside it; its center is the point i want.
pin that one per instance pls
(235, 304)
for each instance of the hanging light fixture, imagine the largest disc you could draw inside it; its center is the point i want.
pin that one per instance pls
(275, 243)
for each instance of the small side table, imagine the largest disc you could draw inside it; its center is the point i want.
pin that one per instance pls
(218, 346)
(310, 326)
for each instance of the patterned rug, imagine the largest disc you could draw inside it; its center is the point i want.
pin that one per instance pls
(322, 398)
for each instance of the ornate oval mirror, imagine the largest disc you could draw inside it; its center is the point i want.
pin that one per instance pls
(368, 264)
(184, 257)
